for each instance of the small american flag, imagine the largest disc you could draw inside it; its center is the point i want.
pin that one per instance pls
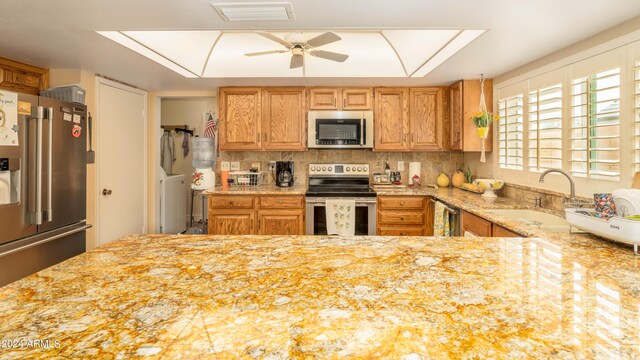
(211, 130)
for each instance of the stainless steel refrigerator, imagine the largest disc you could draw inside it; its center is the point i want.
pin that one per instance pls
(42, 183)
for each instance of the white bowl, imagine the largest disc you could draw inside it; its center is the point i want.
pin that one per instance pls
(489, 186)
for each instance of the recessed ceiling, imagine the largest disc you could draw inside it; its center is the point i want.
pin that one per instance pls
(219, 54)
(61, 34)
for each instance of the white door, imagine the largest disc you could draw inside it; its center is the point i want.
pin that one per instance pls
(121, 160)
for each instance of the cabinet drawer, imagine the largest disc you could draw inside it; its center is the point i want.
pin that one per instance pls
(230, 202)
(475, 224)
(401, 217)
(281, 202)
(400, 231)
(400, 202)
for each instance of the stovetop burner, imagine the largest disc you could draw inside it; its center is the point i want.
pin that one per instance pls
(339, 180)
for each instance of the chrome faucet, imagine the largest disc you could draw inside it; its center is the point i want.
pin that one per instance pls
(571, 182)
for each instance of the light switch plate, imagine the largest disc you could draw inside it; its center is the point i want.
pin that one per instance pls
(235, 166)
(225, 165)
(400, 165)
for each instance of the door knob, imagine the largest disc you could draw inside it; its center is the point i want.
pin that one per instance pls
(106, 192)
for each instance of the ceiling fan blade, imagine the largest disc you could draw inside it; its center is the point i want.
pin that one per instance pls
(296, 61)
(329, 55)
(324, 39)
(275, 38)
(266, 52)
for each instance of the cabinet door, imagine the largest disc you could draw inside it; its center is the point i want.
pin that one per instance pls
(475, 224)
(231, 222)
(499, 231)
(471, 104)
(426, 119)
(391, 118)
(281, 222)
(456, 116)
(285, 126)
(240, 118)
(356, 99)
(323, 98)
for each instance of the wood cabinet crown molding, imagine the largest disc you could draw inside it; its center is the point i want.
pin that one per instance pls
(20, 77)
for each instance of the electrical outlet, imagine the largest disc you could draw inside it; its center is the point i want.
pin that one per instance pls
(225, 165)
(255, 165)
(235, 166)
(400, 165)
(272, 165)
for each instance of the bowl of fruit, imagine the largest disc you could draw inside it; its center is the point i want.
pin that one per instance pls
(489, 186)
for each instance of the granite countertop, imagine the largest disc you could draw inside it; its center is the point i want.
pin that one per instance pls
(179, 296)
(258, 190)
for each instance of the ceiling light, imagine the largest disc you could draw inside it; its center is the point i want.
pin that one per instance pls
(463, 39)
(126, 41)
(254, 11)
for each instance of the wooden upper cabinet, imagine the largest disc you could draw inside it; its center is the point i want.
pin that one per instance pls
(19, 77)
(240, 118)
(340, 98)
(465, 100)
(356, 99)
(391, 118)
(426, 121)
(456, 116)
(323, 98)
(284, 113)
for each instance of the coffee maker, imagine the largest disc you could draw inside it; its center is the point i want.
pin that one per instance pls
(284, 173)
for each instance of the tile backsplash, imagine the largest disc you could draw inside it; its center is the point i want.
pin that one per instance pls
(432, 162)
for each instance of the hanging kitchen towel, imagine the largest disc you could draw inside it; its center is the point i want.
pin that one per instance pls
(167, 155)
(185, 144)
(341, 217)
(441, 220)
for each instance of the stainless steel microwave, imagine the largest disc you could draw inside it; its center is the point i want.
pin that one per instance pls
(340, 129)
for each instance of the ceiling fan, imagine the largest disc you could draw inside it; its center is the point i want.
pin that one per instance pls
(299, 48)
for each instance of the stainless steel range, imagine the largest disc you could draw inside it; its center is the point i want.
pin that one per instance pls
(340, 181)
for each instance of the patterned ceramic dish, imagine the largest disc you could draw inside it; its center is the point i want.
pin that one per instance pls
(489, 186)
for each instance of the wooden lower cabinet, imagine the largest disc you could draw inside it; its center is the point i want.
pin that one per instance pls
(475, 224)
(256, 214)
(499, 231)
(403, 216)
(280, 222)
(231, 222)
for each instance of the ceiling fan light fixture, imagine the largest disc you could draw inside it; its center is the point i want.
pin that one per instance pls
(270, 11)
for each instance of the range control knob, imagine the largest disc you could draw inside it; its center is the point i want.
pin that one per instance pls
(330, 168)
(324, 168)
(359, 169)
(348, 168)
(313, 168)
(365, 169)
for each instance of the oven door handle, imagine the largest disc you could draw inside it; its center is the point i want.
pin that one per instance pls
(358, 203)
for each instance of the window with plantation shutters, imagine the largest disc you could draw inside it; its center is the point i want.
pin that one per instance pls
(545, 128)
(636, 115)
(595, 126)
(511, 132)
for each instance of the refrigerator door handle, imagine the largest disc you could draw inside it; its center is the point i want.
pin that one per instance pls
(38, 214)
(49, 239)
(50, 167)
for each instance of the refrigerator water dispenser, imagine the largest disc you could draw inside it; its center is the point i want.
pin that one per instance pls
(9, 181)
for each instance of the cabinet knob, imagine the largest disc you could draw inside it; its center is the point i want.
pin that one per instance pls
(279, 201)
(401, 218)
(401, 203)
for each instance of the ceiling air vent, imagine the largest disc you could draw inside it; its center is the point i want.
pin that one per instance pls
(254, 11)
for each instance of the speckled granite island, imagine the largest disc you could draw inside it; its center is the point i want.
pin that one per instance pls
(327, 297)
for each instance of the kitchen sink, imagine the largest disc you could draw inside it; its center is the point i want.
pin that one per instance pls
(537, 219)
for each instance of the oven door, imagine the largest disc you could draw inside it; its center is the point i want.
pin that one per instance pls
(316, 223)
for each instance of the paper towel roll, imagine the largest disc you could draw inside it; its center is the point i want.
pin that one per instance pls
(414, 169)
